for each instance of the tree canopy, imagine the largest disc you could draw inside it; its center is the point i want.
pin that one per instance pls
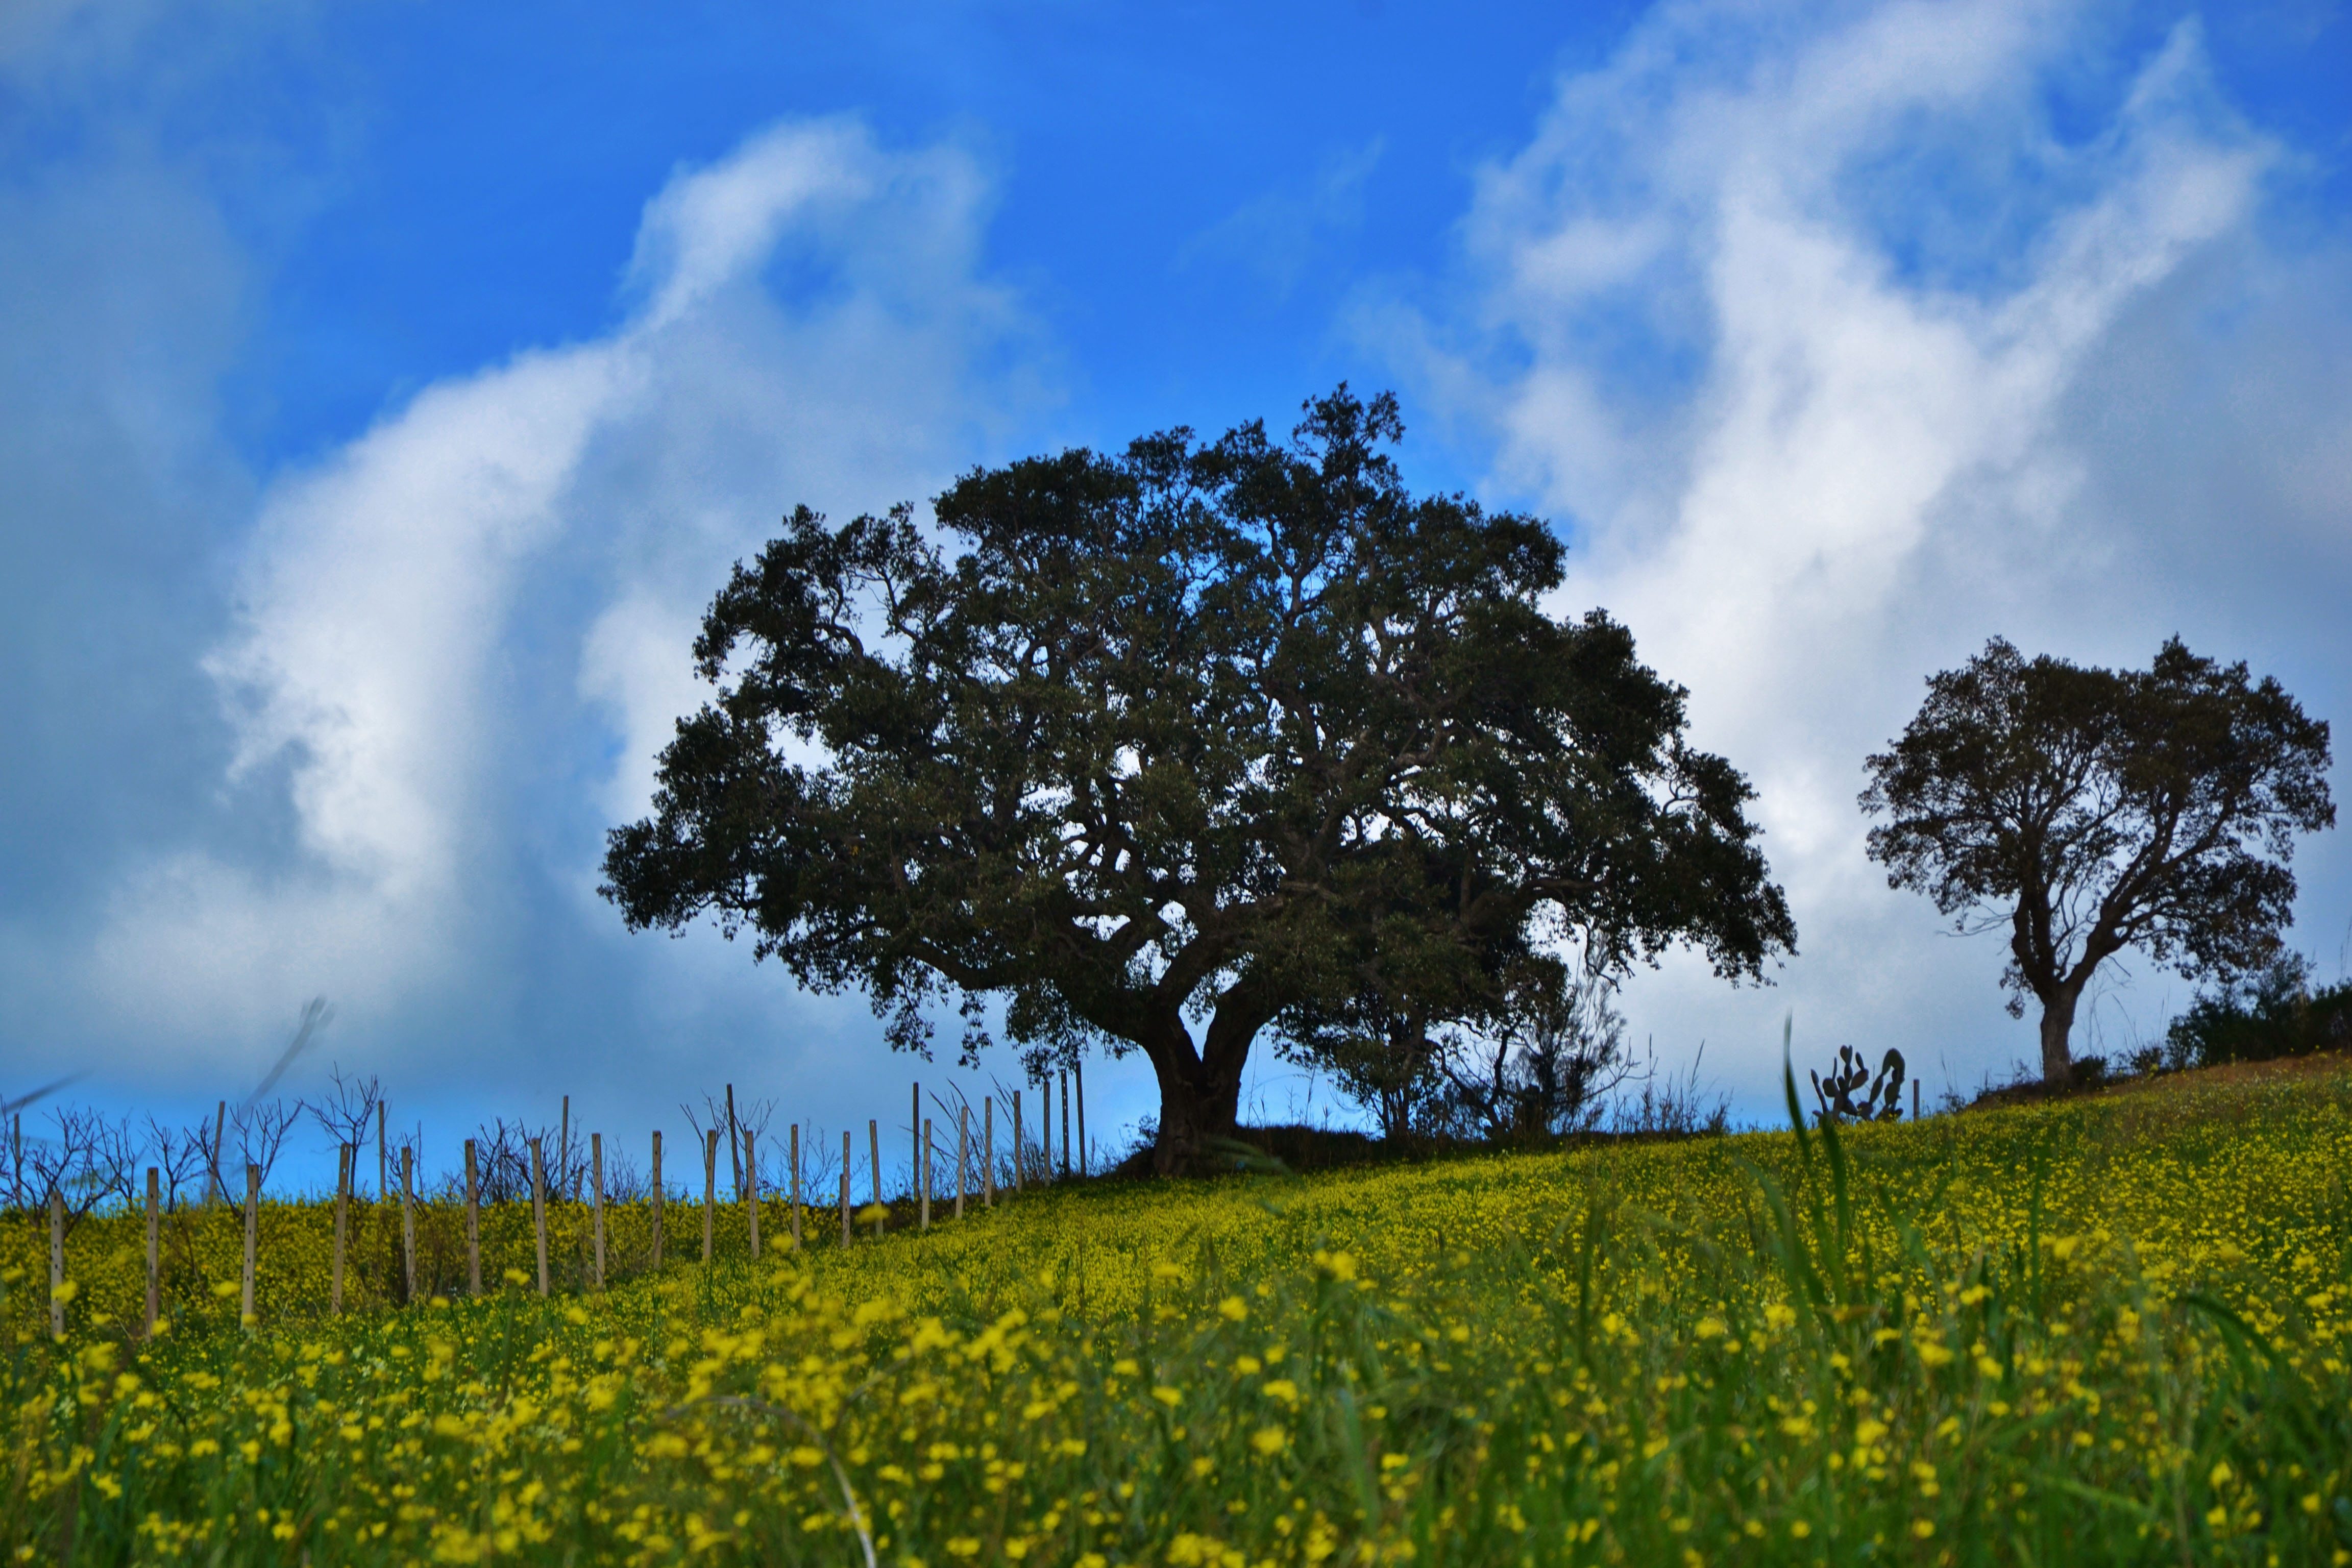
(2091, 810)
(1178, 740)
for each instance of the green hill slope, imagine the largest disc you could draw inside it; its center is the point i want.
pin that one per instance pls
(2111, 1329)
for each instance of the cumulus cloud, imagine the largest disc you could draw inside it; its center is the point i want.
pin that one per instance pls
(1791, 323)
(117, 483)
(459, 638)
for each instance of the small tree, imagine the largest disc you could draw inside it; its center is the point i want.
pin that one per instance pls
(2274, 1013)
(1384, 1057)
(1540, 1071)
(1412, 985)
(346, 1113)
(2090, 810)
(1135, 759)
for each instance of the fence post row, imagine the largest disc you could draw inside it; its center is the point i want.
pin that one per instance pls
(246, 1313)
(154, 1249)
(347, 1156)
(539, 1208)
(408, 1220)
(657, 1200)
(752, 1189)
(596, 1176)
(473, 1224)
(734, 1143)
(709, 1188)
(56, 1262)
(215, 1183)
(746, 1157)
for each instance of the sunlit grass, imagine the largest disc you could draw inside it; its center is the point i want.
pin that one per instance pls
(2112, 1330)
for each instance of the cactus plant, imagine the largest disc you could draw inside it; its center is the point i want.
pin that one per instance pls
(1881, 1095)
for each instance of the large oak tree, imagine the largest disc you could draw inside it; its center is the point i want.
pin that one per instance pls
(2089, 811)
(1167, 743)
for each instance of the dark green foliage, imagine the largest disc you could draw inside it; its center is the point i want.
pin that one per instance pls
(1188, 737)
(2276, 1013)
(2088, 810)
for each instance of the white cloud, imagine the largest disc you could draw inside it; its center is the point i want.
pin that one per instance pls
(1816, 421)
(441, 624)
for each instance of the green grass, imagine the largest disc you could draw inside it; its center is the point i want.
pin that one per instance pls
(2106, 1331)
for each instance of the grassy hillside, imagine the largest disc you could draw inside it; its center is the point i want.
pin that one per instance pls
(2102, 1330)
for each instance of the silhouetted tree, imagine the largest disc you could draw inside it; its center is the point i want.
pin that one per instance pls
(2094, 810)
(1135, 758)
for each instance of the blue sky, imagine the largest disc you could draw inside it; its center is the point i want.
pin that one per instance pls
(383, 388)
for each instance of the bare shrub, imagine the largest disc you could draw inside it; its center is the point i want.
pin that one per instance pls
(1541, 1073)
(347, 1111)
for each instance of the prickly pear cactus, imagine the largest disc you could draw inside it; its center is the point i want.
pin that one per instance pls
(1881, 1094)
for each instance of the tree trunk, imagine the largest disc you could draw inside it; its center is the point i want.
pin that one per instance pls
(1200, 1091)
(2057, 1022)
(1191, 1114)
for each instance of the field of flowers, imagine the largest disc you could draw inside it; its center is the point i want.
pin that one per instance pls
(2110, 1331)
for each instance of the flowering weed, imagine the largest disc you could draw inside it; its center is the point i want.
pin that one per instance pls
(2103, 1331)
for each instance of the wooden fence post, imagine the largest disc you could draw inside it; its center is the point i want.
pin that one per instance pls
(347, 1155)
(408, 1219)
(216, 1180)
(796, 1186)
(963, 1156)
(987, 1151)
(751, 1188)
(844, 1187)
(383, 1197)
(1045, 1133)
(154, 1249)
(914, 1140)
(734, 1143)
(1078, 1075)
(709, 1188)
(246, 1314)
(539, 1207)
(57, 1263)
(873, 1156)
(1065, 1125)
(923, 1172)
(658, 1195)
(473, 1223)
(1017, 1141)
(596, 1176)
